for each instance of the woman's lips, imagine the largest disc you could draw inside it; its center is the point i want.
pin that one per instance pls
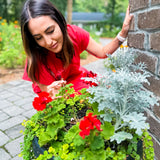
(54, 46)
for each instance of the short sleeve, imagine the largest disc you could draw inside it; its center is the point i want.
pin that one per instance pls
(79, 37)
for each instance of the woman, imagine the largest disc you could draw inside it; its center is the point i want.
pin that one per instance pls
(53, 48)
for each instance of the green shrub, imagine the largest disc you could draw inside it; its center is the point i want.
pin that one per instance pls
(11, 49)
(112, 33)
(84, 55)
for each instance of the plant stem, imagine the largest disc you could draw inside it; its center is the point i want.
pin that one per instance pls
(74, 114)
(125, 101)
(118, 124)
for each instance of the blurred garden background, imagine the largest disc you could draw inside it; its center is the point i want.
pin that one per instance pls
(102, 18)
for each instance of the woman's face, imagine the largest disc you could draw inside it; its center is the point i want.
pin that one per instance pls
(46, 33)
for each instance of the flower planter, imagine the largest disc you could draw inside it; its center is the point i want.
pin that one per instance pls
(37, 149)
(40, 150)
(109, 121)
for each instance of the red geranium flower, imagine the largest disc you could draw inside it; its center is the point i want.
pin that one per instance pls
(86, 124)
(91, 75)
(40, 102)
(84, 133)
(89, 123)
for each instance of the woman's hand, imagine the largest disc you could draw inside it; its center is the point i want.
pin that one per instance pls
(126, 24)
(53, 88)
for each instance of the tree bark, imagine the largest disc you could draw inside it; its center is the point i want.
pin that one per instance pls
(69, 11)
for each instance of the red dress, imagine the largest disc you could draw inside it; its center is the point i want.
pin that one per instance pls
(74, 72)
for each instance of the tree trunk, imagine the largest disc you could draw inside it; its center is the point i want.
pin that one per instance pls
(69, 11)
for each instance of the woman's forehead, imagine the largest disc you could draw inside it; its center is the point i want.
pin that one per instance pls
(40, 24)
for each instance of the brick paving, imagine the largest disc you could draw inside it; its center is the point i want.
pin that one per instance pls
(15, 106)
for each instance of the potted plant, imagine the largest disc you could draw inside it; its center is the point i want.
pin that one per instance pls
(103, 122)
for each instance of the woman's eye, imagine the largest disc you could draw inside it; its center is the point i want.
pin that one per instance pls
(38, 38)
(51, 31)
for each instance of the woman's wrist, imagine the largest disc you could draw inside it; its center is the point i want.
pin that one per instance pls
(120, 37)
(124, 33)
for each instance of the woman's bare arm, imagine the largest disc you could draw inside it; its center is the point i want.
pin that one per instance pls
(101, 51)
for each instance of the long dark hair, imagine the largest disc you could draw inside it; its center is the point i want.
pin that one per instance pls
(36, 53)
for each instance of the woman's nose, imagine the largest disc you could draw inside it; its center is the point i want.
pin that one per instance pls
(48, 41)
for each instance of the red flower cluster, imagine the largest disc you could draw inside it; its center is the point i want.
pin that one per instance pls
(91, 75)
(88, 124)
(40, 102)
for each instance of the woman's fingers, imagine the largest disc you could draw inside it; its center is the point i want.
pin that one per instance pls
(52, 92)
(56, 84)
(54, 98)
(126, 23)
(53, 89)
(128, 17)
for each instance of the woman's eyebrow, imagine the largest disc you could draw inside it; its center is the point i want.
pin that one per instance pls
(36, 35)
(48, 28)
(44, 31)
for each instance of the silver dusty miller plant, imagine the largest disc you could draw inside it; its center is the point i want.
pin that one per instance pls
(121, 95)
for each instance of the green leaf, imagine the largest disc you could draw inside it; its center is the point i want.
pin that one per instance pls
(51, 132)
(108, 130)
(88, 154)
(57, 145)
(78, 141)
(89, 111)
(70, 90)
(44, 138)
(95, 109)
(70, 102)
(94, 155)
(100, 154)
(111, 66)
(121, 136)
(57, 158)
(83, 90)
(54, 118)
(76, 98)
(72, 132)
(97, 143)
(53, 128)
(59, 107)
(70, 156)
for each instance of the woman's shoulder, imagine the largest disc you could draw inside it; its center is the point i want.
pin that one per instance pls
(72, 28)
(79, 37)
(77, 33)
